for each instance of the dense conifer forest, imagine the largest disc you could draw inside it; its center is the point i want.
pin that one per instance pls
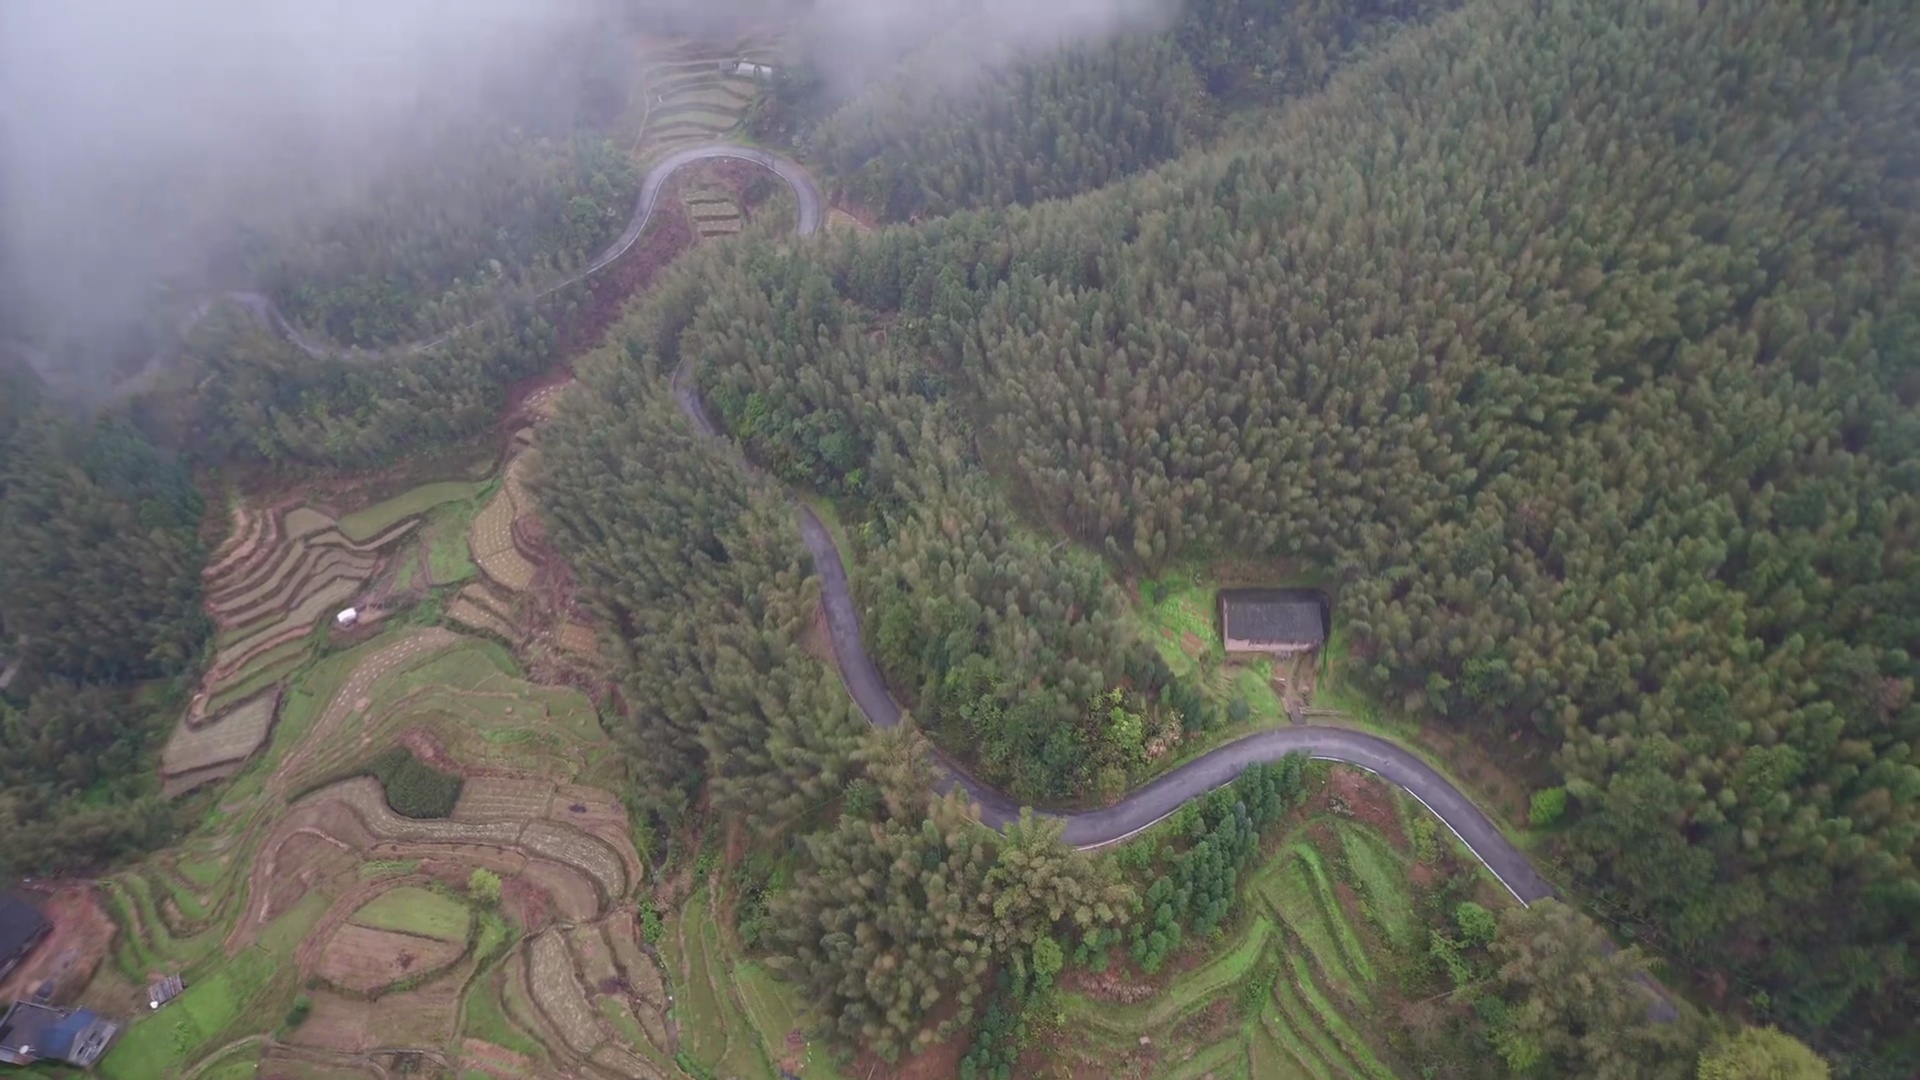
(433, 247)
(1577, 342)
(100, 607)
(1576, 346)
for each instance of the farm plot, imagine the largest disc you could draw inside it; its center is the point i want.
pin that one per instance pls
(370, 522)
(691, 98)
(1186, 995)
(1295, 895)
(555, 989)
(491, 541)
(713, 212)
(1302, 974)
(501, 798)
(419, 912)
(229, 739)
(712, 1028)
(571, 847)
(474, 609)
(278, 575)
(369, 804)
(363, 959)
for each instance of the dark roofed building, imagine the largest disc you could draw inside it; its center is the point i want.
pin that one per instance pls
(21, 928)
(30, 1033)
(1279, 622)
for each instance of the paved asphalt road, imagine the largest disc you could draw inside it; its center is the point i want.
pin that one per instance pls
(1085, 829)
(809, 209)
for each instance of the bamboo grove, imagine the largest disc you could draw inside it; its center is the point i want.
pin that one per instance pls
(1578, 343)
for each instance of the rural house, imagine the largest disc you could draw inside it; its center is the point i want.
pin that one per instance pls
(31, 1032)
(1276, 622)
(21, 928)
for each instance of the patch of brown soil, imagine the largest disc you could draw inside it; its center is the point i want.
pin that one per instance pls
(818, 640)
(865, 219)
(668, 234)
(1111, 985)
(526, 904)
(1369, 800)
(308, 955)
(311, 856)
(79, 939)
(496, 1061)
(363, 959)
(1210, 1025)
(571, 893)
(1422, 875)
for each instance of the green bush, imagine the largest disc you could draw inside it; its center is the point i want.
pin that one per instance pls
(414, 788)
(484, 887)
(1548, 807)
(1477, 924)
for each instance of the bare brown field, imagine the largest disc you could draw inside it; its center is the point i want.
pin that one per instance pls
(490, 798)
(571, 847)
(496, 1061)
(570, 893)
(556, 991)
(233, 736)
(363, 959)
(80, 936)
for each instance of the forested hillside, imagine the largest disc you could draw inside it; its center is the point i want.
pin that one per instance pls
(99, 603)
(1057, 123)
(1578, 342)
(256, 396)
(433, 246)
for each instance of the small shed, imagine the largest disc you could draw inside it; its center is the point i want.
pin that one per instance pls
(22, 927)
(347, 618)
(164, 990)
(1276, 622)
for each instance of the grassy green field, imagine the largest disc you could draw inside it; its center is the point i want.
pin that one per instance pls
(422, 912)
(449, 558)
(371, 522)
(245, 994)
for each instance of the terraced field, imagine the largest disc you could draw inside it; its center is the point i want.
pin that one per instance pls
(735, 1019)
(519, 596)
(283, 571)
(1292, 993)
(714, 213)
(695, 92)
(298, 887)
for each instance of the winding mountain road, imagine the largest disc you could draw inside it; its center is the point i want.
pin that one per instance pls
(1086, 829)
(1091, 829)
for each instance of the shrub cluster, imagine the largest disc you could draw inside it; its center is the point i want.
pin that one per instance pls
(414, 788)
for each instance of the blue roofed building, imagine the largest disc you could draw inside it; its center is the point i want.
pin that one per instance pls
(30, 1032)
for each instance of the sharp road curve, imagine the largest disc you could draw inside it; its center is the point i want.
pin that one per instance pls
(1087, 829)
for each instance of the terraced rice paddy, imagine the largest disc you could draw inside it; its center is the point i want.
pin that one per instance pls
(214, 750)
(332, 896)
(282, 572)
(694, 95)
(1315, 926)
